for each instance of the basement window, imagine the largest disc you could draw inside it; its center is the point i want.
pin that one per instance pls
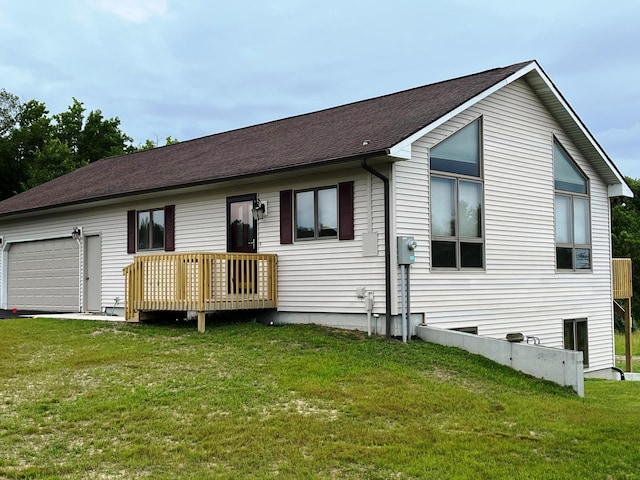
(576, 337)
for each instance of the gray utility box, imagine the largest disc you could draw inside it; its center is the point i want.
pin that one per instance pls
(406, 250)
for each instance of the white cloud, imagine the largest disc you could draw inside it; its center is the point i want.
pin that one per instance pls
(135, 11)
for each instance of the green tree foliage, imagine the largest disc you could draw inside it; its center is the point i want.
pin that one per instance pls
(36, 147)
(150, 144)
(625, 234)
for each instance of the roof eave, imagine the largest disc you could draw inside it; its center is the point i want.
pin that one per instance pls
(114, 198)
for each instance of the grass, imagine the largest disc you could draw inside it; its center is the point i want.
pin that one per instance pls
(84, 399)
(635, 350)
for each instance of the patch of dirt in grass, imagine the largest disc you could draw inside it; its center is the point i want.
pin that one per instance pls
(301, 407)
(113, 330)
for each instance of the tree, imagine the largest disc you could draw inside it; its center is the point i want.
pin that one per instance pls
(36, 147)
(625, 234)
(10, 107)
(150, 144)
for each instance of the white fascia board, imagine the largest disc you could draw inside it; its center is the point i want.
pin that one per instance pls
(620, 190)
(403, 148)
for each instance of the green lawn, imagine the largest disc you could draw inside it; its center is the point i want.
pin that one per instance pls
(84, 399)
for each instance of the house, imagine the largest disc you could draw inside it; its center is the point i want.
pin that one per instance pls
(494, 177)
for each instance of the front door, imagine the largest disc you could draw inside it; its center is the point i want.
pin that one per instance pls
(241, 227)
(241, 238)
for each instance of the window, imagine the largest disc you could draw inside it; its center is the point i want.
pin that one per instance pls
(316, 213)
(151, 229)
(572, 213)
(577, 338)
(457, 201)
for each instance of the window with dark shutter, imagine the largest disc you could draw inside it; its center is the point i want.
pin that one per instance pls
(151, 229)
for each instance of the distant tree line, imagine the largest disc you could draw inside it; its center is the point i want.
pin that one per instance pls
(36, 147)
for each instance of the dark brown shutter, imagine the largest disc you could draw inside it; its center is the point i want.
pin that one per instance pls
(131, 231)
(169, 228)
(286, 223)
(345, 211)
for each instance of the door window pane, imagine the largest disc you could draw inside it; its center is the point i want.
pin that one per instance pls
(328, 212)
(470, 209)
(443, 215)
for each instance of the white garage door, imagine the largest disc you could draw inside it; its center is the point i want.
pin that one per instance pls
(43, 275)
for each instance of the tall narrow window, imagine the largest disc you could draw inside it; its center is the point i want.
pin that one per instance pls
(576, 337)
(456, 201)
(572, 213)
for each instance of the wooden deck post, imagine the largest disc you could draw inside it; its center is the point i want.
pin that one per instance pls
(627, 335)
(201, 317)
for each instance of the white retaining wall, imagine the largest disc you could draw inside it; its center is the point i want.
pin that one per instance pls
(555, 364)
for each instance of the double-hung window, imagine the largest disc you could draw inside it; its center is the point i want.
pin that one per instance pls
(457, 201)
(151, 229)
(572, 213)
(316, 213)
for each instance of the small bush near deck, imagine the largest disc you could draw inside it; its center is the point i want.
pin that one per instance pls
(84, 399)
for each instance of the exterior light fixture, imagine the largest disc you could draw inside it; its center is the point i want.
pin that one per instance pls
(76, 233)
(259, 209)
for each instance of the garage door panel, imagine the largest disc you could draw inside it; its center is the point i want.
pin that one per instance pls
(43, 275)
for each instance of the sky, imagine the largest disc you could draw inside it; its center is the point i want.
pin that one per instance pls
(190, 68)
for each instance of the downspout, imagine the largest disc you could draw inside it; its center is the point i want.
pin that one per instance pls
(387, 244)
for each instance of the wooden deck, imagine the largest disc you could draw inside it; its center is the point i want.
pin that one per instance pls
(200, 282)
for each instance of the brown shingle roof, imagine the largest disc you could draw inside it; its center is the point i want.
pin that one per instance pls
(310, 139)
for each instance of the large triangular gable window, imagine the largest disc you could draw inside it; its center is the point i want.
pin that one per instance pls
(457, 240)
(572, 213)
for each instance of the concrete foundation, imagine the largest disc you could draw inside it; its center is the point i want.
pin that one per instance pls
(564, 367)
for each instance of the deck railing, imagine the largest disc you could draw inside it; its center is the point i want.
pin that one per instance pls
(200, 282)
(622, 278)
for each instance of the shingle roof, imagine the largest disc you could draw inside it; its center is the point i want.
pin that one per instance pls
(311, 139)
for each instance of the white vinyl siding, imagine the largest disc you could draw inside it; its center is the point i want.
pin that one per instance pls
(312, 276)
(520, 290)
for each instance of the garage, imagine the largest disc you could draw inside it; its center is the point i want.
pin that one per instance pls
(43, 275)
